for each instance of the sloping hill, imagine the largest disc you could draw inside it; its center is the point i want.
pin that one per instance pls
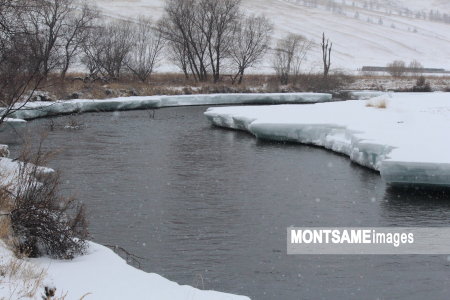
(383, 31)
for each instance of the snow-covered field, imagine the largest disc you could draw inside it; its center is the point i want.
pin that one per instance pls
(407, 141)
(356, 42)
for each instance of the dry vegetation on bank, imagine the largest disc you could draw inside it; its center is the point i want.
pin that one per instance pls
(76, 86)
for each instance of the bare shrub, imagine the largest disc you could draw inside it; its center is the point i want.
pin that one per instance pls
(314, 82)
(397, 68)
(422, 85)
(42, 220)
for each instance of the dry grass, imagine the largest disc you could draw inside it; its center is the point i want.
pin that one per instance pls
(6, 205)
(378, 102)
(23, 279)
(177, 84)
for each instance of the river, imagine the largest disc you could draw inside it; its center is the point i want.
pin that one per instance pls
(197, 199)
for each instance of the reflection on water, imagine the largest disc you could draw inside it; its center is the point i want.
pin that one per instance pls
(197, 199)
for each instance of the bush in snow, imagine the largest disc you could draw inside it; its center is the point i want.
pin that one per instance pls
(422, 85)
(43, 221)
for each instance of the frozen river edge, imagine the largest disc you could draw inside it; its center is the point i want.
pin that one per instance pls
(33, 110)
(407, 142)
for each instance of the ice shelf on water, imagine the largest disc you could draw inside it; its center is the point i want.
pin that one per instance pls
(34, 110)
(9, 123)
(365, 95)
(407, 142)
(275, 98)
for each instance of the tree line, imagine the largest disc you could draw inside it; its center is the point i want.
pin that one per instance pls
(205, 39)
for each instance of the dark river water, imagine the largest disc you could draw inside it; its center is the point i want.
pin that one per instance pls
(197, 199)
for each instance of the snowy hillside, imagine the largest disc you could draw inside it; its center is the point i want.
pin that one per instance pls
(356, 41)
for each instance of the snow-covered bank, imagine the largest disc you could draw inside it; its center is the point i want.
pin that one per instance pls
(106, 276)
(42, 109)
(100, 275)
(407, 141)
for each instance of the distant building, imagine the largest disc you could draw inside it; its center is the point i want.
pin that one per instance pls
(385, 69)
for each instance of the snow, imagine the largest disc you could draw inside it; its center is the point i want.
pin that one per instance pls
(356, 42)
(107, 276)
(407, 141)
(42, 109)
(100, 274)
(10, 170)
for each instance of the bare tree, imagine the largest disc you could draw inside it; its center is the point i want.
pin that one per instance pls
(178, 54)
(184, 37)
(251, 40)
(397, 68)
(76, 33)
(326, 56)
(47, 21)
(202, 31)
(415, 68)
(289, 55)
(216, 24)
(108, 47)
(19, 70)
(147, 49)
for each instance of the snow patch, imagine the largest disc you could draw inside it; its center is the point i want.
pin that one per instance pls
(407, 141)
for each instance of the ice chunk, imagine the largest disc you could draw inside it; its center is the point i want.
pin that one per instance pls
(364, 95)
(34, 110)
(9, 123)
(213, 99)
(407, 141)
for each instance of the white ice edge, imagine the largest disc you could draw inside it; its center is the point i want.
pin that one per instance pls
(100, 272)
(34, 110)
(407, 143)
(362, 95)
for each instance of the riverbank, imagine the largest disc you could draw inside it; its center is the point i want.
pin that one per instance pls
(404, 136)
